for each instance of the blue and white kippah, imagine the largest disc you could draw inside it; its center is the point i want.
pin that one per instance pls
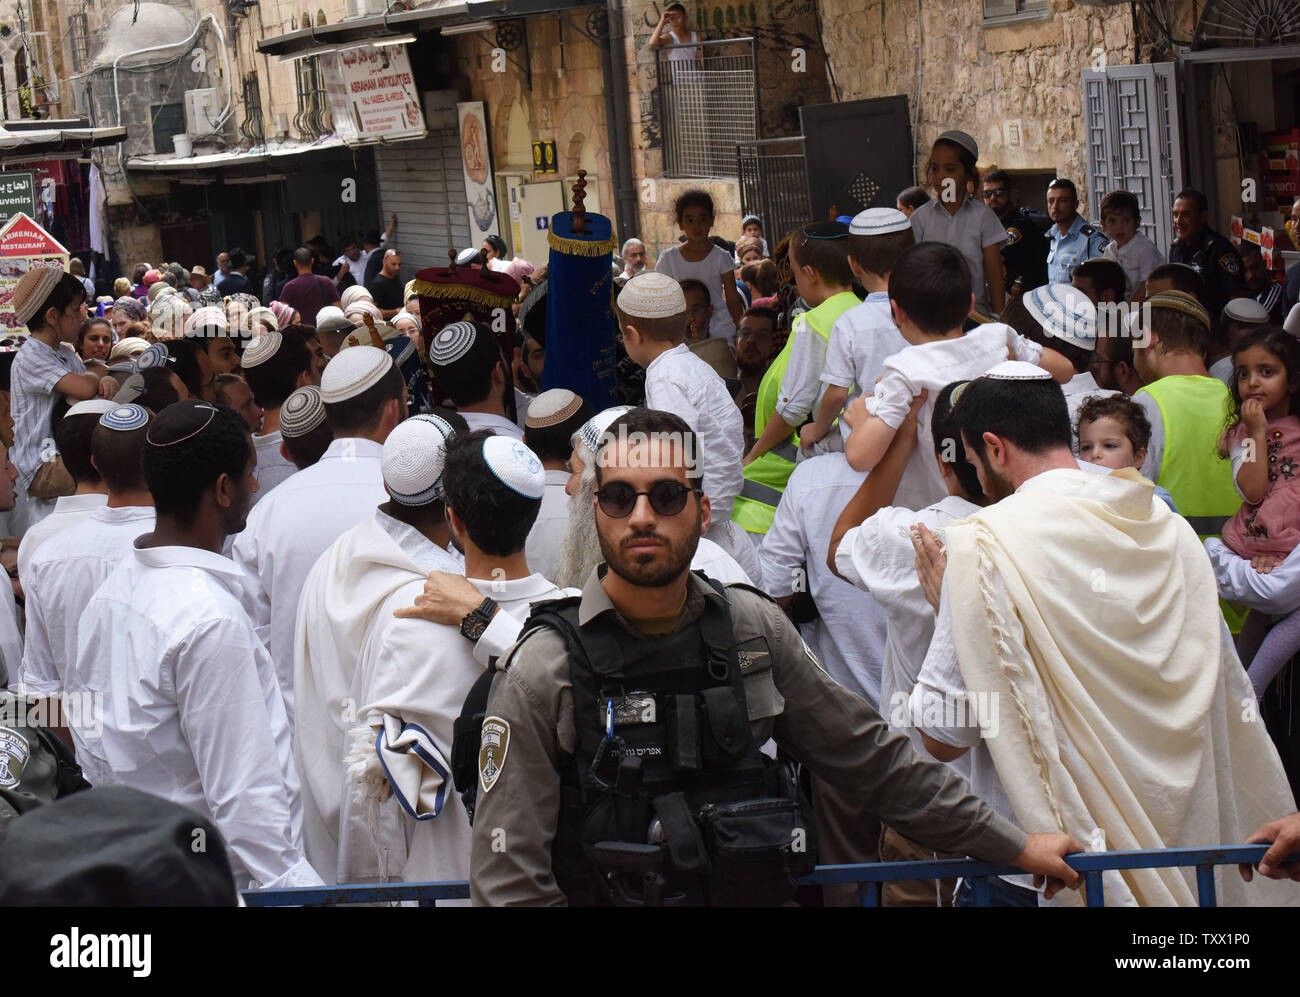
(155, 356)
(413, 458)
(1065, 313)
(125, 418)
(452, 342)
(515, 466)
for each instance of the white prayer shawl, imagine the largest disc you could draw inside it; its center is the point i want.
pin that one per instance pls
(402, 818)
(343, 594)
(1122, 711)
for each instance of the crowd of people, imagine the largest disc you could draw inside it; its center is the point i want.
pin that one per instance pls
(975, 515)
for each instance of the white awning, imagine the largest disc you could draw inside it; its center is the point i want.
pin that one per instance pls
(259, 155)
(53, 143)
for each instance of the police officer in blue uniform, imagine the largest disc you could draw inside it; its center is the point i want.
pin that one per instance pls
(1206, 251)
(1072, 239)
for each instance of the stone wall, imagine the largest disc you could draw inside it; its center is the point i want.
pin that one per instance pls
(980, 79)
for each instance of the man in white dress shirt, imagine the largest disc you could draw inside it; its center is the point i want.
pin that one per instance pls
(553, 417)
(72, 438)
(192, 712)
(340, 604)
(468, 368)
(69, 567)
(275, 365)
(402, 818)
(365, 397)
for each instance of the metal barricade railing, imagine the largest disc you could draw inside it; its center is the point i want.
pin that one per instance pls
(708, 101)
(868, 878)
(773, 177)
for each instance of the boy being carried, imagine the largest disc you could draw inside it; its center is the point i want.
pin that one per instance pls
(865, 336)
(929, 294)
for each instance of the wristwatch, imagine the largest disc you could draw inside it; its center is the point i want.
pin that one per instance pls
(476, 621)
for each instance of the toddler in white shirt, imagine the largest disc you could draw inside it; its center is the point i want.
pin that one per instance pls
(1120, 217)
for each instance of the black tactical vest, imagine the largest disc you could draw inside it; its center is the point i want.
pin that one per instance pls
(666, 799)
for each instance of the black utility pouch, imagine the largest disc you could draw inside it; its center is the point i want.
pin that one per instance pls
(759, 849)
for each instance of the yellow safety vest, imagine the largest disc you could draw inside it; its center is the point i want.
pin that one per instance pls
(766, 477)
(1194, 410)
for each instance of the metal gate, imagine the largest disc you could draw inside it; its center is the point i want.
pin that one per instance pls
(1131, 123)
(708, 102)
(773, 178)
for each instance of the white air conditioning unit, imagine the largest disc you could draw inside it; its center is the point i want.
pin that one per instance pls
(202, 109)
(364, 8)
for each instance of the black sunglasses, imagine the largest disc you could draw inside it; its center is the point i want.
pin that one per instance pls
(617, 499)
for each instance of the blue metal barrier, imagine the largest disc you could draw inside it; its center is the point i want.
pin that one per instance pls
(868, 877)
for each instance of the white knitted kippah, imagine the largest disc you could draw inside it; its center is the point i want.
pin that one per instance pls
(551, 408)
(261, 349)
(878, 221)
(1064, 312)
(352, 372)
(515, 466)
(651, 294)
(594, 428)
(1017, 370)
(464, 257)
(451, 343)
(1245, 311)
(125, 417)
(301, 412)
(414, 456)
(91, 406)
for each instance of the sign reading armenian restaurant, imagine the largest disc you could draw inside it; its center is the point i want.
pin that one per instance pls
(22, 243)
(372, 94)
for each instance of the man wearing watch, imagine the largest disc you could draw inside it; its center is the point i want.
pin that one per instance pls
(413, 676)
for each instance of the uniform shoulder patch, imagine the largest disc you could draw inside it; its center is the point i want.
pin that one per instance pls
(1087, 229)
(494, 743)
(1013, 235)
(14, 751)
(1229, 263)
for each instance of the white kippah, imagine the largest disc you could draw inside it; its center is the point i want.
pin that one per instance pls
(1245, 311)
(91, 406)
(125, 417)
(594, 428)
(210, 315)
(331, 319)
(651, 294)
(301, 412)
(1017, 370)
(352, 372)
(451, 343)
(515, 466)
(551, 408)
(261, 349)
(879, 221)
(465, 256)
(155, 356)
(414, 456)
(1065, 313)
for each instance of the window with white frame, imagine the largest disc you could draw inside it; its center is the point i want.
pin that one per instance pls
(997, 12)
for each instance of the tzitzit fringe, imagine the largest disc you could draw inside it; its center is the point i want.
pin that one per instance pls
(461, 292)
(984, 572)
(580, 247)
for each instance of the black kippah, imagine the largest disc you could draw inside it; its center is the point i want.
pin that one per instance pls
(826, 230)
(180, 421)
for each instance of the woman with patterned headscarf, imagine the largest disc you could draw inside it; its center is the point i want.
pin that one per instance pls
(126, 310)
